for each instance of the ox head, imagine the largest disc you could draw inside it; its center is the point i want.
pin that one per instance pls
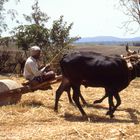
(133, 61)
(131, 54)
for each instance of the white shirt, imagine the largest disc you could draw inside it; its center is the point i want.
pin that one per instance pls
(31, 69)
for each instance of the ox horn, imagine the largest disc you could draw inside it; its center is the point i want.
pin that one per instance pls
(130, 52)
(138, 50)
(132, 56)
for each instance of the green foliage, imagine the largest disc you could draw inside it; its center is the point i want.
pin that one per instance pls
(60, 33)
(27, 35)
(35, 33)
(60, 36)
(53, 41)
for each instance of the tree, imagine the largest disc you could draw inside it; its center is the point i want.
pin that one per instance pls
(34, 33)
(37, 16)
(51, 41)
(60, 35)
(60, 40)
(131, 8)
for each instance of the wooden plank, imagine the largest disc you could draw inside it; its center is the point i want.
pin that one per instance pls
(29, 88)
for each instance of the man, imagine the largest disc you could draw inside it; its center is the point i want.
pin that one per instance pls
(31, 68)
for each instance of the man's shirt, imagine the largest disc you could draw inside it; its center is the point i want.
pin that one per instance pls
(31, 69)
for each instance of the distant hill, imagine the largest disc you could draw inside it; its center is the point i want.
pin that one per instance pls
(106, 39)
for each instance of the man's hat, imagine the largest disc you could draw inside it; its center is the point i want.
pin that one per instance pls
(34, 50)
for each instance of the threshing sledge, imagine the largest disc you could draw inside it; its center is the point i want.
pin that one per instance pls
(11, 91)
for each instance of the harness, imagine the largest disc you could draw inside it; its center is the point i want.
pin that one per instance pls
(131, 69)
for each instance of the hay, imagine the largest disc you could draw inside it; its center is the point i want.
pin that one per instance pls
(33, 117)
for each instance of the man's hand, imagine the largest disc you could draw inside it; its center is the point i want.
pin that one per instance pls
(48, 65)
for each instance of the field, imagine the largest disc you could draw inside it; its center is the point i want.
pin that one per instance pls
(33, 117)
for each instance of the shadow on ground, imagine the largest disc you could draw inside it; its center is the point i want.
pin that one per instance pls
(133, 113)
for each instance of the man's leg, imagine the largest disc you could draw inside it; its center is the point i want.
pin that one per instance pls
(48, 75)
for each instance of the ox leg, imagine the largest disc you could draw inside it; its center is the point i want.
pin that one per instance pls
(111, 106)
(82, 99)
(57, 96)
(100, 100)
(118, 99)
(69, 95)
(70, 99)
(76, 95)
(64, 86)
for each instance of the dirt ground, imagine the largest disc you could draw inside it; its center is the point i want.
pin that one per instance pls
(33, 118)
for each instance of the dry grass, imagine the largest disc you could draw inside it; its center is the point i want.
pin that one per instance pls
(106, 49)
(33, 117)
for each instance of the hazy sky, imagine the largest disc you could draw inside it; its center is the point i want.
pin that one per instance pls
(90, 17)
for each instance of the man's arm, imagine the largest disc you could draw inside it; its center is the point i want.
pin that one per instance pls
(34, 69)
(46, 68)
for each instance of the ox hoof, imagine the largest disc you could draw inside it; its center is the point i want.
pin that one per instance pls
(55, 110)
(110, 114)
(85, 117)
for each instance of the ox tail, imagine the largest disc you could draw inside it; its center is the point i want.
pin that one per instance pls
(65, 80)
(63, 65)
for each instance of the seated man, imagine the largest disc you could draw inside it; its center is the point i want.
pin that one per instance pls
(31, 68)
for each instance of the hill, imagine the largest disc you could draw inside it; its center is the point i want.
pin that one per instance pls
(107, 39)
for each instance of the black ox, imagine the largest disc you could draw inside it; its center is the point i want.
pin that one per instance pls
(96, 70)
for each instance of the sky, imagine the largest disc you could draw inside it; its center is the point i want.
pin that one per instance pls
(90, 18)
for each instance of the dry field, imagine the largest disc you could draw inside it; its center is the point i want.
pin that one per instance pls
(33, 117)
